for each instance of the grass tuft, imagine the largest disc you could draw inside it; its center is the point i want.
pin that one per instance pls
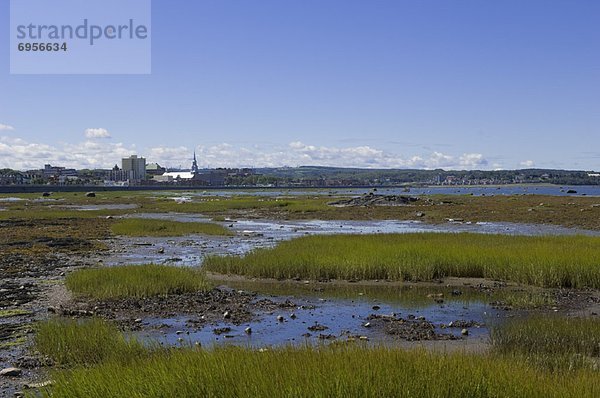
(84, 343)
(151, 227)
(548, 336)
(136, 281)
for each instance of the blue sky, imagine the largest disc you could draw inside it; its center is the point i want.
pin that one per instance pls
(386, 83)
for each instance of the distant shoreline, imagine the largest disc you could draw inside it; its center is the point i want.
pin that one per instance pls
(96, 188)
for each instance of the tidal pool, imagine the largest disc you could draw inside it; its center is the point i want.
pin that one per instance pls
(334, 313)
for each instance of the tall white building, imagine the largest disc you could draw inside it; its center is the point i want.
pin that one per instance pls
(134, 168)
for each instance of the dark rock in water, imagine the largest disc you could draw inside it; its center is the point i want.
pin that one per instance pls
(376, 307)
(90, 194)
(317, 328)
(571, 191)
(220, 331)
(46, 194)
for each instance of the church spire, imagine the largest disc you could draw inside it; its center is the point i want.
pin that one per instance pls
(195, 164)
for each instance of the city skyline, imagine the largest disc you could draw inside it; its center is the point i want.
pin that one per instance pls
(396, 84)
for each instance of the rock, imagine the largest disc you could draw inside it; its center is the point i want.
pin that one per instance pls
(420, 214)
(46, 194)
(363, 338)
(317, 328)
(571, 191)
(138, 320)
(293, 316)
(90, 195)
(280, 318)
(456, 292)
(367, 325)
(464, 332)
(226, 315)
(248, 330)
(109, 217)
(161, 250)
(376, 307)
(10, 372)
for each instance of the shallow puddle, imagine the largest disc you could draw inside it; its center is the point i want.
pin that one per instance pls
(355, 313)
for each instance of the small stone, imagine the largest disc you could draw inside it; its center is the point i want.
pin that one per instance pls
(179, 332)
(376, 307)
(138, 320)
(248, 330)
(109, 217)
(367, 325)
(280, 318)
(363, 338)
(161, 250)
(10, 372)
(464, 332)
(293, 316)
(226, 315)
(180, 339)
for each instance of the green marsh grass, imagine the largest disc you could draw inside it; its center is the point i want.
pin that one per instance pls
(321, 372)
(84, 343)
(152, 227)
(136, 281)
(547, 261)
(548, 335)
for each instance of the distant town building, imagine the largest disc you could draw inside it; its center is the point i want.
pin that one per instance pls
(54, 172)
(154, 169)
(134, 167)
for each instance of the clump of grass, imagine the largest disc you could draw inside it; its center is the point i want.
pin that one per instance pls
(548, 336)
(151, 227)
(321, 372)
(547, 261)
(136, 281)
(70, 342)
(13, 312)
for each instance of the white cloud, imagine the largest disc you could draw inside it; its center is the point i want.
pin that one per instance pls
(6, 127)
(20, 154)
(527, 163)
(97, 133)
